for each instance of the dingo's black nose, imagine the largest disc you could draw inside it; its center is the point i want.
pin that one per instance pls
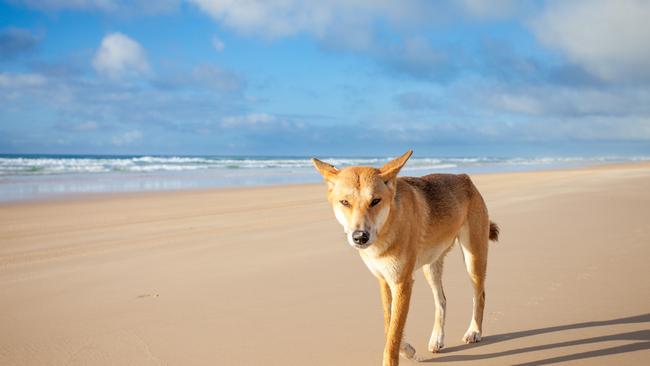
(360, 237)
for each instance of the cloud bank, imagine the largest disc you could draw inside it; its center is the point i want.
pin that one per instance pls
(354, 74)
(609, 38)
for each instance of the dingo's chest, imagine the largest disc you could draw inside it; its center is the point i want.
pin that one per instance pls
(390, 268)
(387, 268)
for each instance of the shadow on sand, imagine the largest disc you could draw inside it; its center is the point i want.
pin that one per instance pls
(641, 338)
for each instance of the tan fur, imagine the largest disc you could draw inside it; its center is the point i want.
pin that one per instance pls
(414, 225)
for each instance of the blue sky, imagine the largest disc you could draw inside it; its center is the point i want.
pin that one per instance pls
(355, 77)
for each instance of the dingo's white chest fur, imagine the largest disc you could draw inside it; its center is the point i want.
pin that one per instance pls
(387, 268)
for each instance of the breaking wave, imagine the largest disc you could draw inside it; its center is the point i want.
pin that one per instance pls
(45, 165)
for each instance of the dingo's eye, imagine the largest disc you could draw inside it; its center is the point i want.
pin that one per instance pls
(345, 203)
(375, 202)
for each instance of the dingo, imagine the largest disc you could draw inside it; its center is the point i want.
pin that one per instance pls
(402, 224)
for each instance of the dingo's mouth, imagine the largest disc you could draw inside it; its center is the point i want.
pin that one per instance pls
(361, 246)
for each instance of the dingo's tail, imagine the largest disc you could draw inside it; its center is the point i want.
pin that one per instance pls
(494, 231)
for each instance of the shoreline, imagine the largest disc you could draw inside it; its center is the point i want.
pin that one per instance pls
(75, 196)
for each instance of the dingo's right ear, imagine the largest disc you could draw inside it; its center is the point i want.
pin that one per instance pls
(389, 171)
(328, 171)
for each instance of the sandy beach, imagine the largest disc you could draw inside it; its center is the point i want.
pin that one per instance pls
(263, 276)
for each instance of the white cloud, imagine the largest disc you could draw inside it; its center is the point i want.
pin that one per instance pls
(415, 100)
(248, 120)
(127, 138)
(120, 55)
(489, 9)
(278, 126)
(70, 4)
(595, 128)
(107, 6)
(275, 18)
(86, 126)
(15, 80)
(278, 18)
(554, 101)
(216, 78)
(202, 77)
(516, 103)
(218, 44)
(608, 38)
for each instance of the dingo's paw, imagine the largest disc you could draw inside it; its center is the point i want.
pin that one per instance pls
(436, 343)
(407, 351)
(472, 336)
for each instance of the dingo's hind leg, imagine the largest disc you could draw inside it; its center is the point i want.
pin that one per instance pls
(433, 274)
(473, 238)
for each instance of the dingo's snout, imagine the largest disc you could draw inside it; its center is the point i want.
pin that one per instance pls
(361, 238)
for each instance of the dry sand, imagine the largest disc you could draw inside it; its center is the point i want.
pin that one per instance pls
(264, 277)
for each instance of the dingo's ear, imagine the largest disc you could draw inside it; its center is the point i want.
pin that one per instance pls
(390, 169)
(328, 171)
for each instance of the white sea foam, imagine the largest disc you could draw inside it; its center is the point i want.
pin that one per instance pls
(28, 165)
(30, 177)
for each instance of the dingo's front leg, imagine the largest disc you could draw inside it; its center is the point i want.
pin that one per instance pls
(405, 350)
(401, 296)
(386, 299)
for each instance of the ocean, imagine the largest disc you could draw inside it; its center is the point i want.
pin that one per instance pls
(28, 177)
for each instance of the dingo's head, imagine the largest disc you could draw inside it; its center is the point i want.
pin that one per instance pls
(362, 197)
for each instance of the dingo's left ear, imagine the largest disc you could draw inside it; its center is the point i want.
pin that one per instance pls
(390, 169)
(328, 171)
